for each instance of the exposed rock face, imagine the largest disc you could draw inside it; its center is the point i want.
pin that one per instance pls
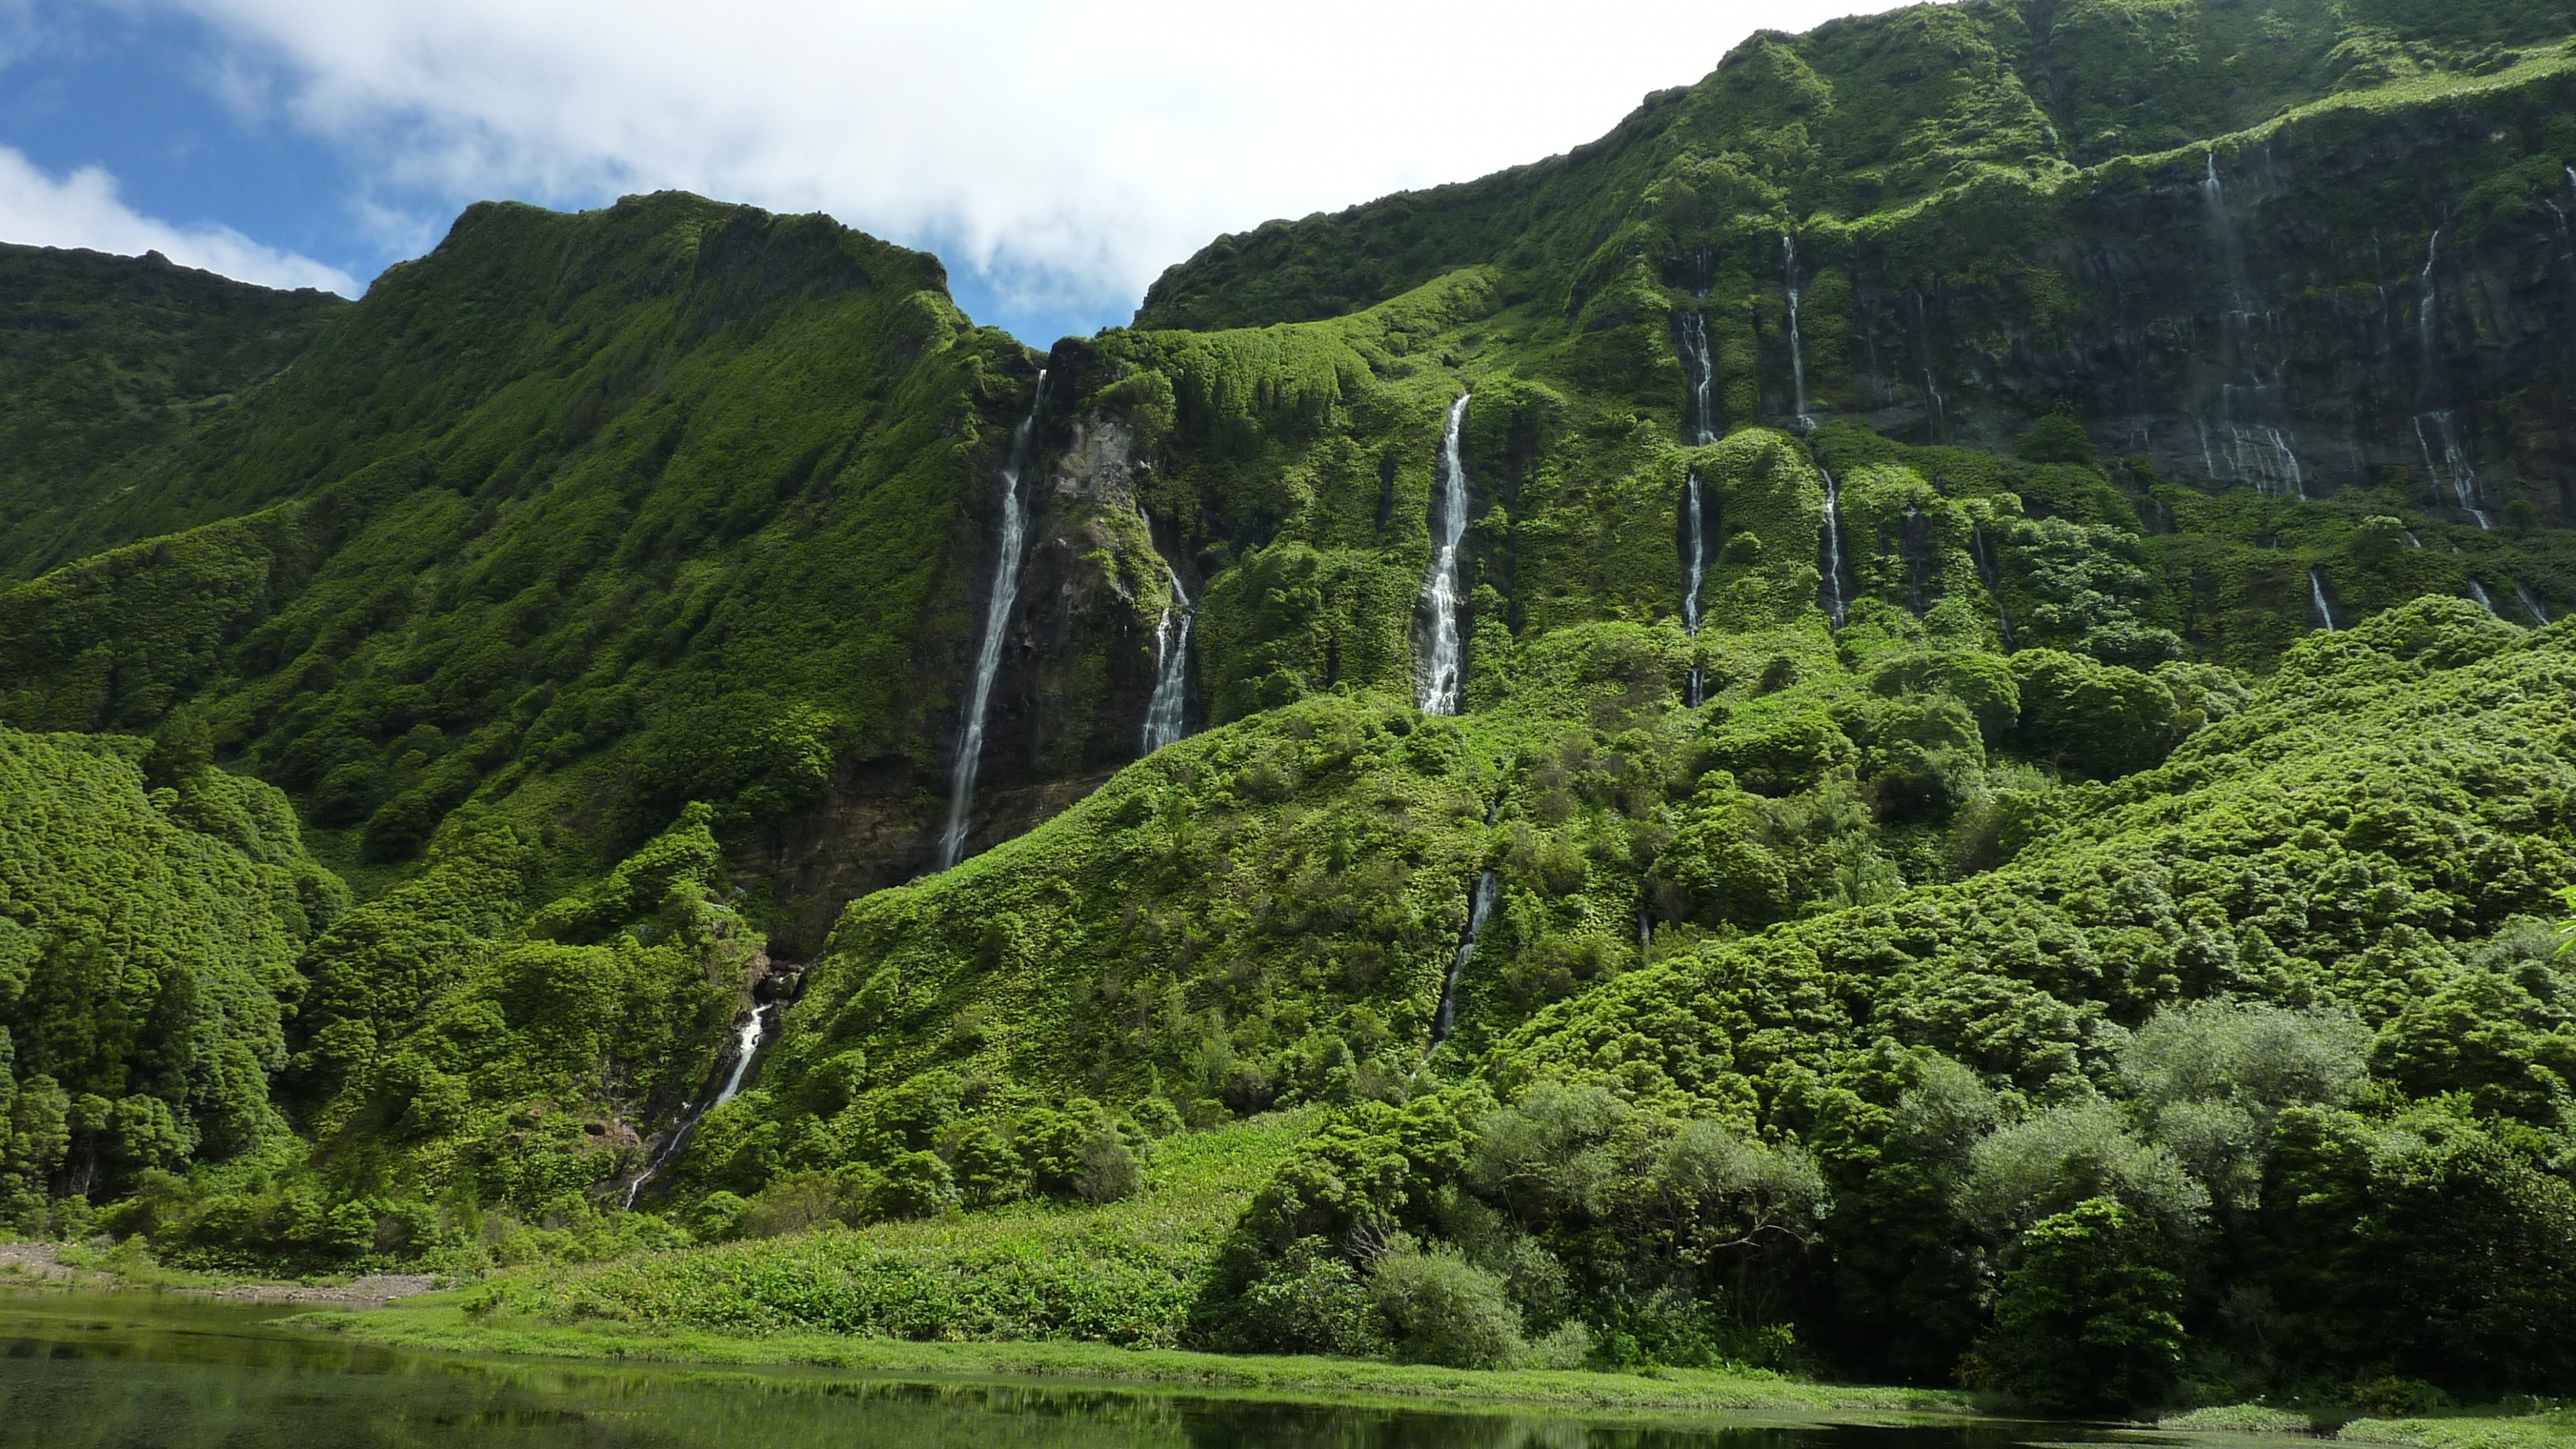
(1076, 676)
(2326, 307)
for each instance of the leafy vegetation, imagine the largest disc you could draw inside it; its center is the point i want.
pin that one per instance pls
(2075, 904)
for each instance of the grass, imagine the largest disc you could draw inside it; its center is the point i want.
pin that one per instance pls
(2547, 1430)
(1123, 1272)
(440, 1323)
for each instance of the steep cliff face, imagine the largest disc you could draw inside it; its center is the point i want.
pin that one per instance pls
(583, 515)
(1990, 213)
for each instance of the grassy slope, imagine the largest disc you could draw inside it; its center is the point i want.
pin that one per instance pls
(104, 357)
(1122, 1273)
(543, 486)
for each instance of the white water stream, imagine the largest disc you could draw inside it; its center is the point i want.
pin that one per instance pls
(2317, 604)
(1443, 595)
(746, 1045)
(1479, 907)
(997, 620)
(2530, 604)
(1701, 426)
(1698, 569)
(1163, 713)
(1835, 604)
(1797, 348)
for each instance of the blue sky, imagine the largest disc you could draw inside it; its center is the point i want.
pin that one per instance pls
(1056, 155)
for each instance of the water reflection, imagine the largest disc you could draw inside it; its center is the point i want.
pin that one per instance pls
(144, 1372)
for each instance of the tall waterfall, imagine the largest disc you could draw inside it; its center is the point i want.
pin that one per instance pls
(1442, 592)
(1163, 713)
(2319, 609)
(1698, 567)
(1479, 906)
(2530, 604)
(1700, 428)
(1797, 349)
(1835, 604)
(997, 619)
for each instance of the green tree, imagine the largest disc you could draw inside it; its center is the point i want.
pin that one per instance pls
(2086, 1319)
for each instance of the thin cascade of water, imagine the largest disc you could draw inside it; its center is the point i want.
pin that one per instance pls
(1701, 425)
(2213, 198)
(2264, 455)
(2478, 591)
(1442, 595)
(997, 620)
(1835, 604)
(2530, 604)
(2455, 469)
(746, 1045)
(2320, 611)
(2411, 540)
(1797, 349)
(1936, 414)
(1990, 572)
(1697, 570)
(1480, 905)
(1164, 712)
(2427, 297)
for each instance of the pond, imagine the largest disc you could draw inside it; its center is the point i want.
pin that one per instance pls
(163, 1371)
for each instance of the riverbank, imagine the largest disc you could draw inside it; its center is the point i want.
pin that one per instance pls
(71, 1265)
(441, 1323)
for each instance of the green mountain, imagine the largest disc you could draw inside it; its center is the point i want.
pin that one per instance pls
(1903, 720)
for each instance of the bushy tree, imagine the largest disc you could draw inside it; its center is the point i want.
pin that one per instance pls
(2086, 1318)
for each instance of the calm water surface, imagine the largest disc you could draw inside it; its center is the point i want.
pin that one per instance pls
(144, 1371)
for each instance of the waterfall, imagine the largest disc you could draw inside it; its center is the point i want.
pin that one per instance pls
(997, 619)
(2264, 455)
(2213, 198)
(1991, 572)
(1797, 350)
(2427, 297)
(1698, 567)
(746, 1045)
(2411, 540)
(2322, 611)
(1700, 427)
(1163, 714)
(1479, 906)
(2530, 604)
(1442, 594)
(1835, 604)
(1936, 415)
(2455, 468)
(2478, 591)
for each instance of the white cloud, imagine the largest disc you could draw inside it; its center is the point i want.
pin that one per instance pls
(1065, 148)
(82, 210)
